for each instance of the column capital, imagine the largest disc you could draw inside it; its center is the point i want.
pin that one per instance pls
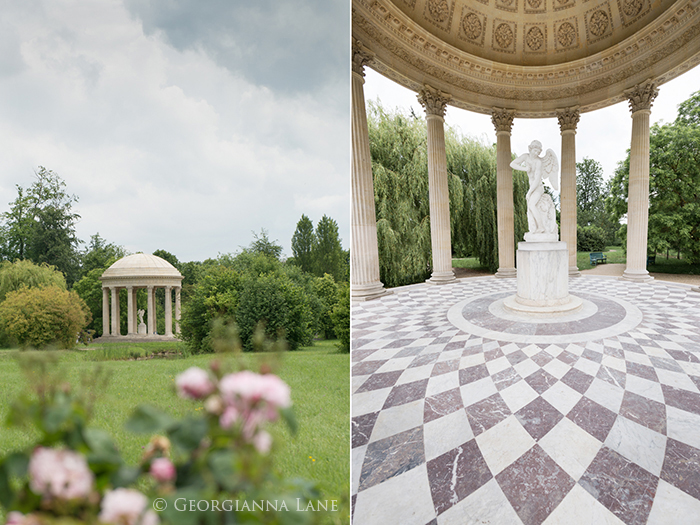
(568, 118)
(502, 119)
(642, 96)
(361, 56)
(433, 101)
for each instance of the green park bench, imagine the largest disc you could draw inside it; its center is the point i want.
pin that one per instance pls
(598, 257)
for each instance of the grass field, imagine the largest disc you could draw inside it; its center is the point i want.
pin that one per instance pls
(468, 262)
(318, 377)
(615, 255)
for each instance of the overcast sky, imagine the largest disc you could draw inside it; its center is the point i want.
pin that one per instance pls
(180, 125)
(603, 135)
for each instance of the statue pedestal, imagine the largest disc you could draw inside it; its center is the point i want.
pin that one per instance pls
(543, 280)
(142, 329)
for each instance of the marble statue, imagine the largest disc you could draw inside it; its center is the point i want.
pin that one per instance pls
(141, 312)
(541, 216)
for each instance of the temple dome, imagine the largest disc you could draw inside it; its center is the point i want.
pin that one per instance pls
(141, 265)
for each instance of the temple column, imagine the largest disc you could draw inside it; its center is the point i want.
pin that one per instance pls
(130, 327)
(168, 311)
(134, 292)
(568, 119)
(116, 329)
(364, 252)
(640, 100)
(151, 314)
(434, 102)
(177, 309)
(105, 311)
(503, 122)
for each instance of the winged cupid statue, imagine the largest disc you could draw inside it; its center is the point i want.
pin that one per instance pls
(541, 216)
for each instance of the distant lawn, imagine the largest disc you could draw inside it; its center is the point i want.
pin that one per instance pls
(615, 255)
(468, 262)
(671, 265)
(318, 377)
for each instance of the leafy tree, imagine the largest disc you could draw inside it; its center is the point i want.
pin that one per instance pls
(589, 191)
(590, 239)
(40, 225)
(327, 291)
(89, 288)
(341, 318)
(263, 245)
(39, 317)
(100, 254)
(167, 256)
(303, 243)
(26, 274)
(674, 183)
(328, 253)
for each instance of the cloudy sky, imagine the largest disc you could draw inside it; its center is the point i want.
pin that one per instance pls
(180, 125)
(603, 135)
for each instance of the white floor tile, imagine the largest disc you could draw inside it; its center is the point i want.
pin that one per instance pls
(504, 443)
(571, 447)
(443, 434)
(637, 443)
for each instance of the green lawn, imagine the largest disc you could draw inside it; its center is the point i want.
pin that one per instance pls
(672, 265)
(468, 262)
(615, 255)
(318, 377)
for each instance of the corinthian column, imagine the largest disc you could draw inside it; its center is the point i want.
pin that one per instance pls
(364, 268)
(434, 103)
(105, 311)
(568, 119)
(503, 121)
(640, 100)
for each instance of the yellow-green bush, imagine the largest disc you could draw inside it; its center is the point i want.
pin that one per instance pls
(40, 317)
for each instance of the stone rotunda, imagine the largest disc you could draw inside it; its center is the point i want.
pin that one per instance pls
(466, 412)
(515, 59)
(134, 272)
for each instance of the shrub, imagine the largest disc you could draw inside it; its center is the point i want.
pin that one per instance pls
(15, 275)
(341, 319)
(327, 292)
(39, 317)
(590, 239)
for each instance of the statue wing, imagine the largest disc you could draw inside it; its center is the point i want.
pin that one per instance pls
(550, 168)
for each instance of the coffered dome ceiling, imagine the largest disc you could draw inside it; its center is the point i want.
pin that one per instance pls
(534, 56)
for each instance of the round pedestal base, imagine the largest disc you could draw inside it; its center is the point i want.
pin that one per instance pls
(574, 303)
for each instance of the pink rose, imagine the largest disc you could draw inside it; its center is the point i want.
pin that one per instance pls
(254, 387)
(14, 518)
(126, 507)
(194, 383)
(163, 470)
(262, 442)
(56, 473)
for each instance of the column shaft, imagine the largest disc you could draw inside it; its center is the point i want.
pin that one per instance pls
(168, 311)
(116, 328)
(503, 121)
(105, 311)
(177, 309)
(364, 252)
(568, 119)
(130, 327)
(151, 311)
(640, 99)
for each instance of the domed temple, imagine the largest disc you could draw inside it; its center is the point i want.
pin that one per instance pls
(134, 272)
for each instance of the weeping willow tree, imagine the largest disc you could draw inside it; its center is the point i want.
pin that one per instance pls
(398, 144)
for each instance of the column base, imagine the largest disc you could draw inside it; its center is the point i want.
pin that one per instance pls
(636, 276)
(442, 278)
(367, 292)
(574, 272)
(507, 273)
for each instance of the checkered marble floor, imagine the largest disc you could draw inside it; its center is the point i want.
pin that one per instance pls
(464, 415)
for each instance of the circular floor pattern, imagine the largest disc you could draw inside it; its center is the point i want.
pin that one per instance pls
(453, 427)
(599, 317)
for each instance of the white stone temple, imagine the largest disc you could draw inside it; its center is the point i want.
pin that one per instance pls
(132, 273)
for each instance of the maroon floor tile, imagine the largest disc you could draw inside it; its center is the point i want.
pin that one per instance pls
(516, 357)
(422, 360)
(410, 351)
(366, 367)
(676, 397)
(402, 394)
(359, 355)
(538, 417)
(392, 456)
(644, 411)
(490, 355)
(577, 380)
(442, 404)
(505, 378)
(473, 373)
(593, 418)
(362, 428)
(456, 474)
(380, 380)
(644, 371)
(455, 345)
(682, 467)
(541, 381)
(624, 488)
(534, 485)
(592, 355)
(666, 364)
(542, 358)
(399, 343)
(614, 352)
(568, 358)
(487, 413)
(684, 356)
(443, 367)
